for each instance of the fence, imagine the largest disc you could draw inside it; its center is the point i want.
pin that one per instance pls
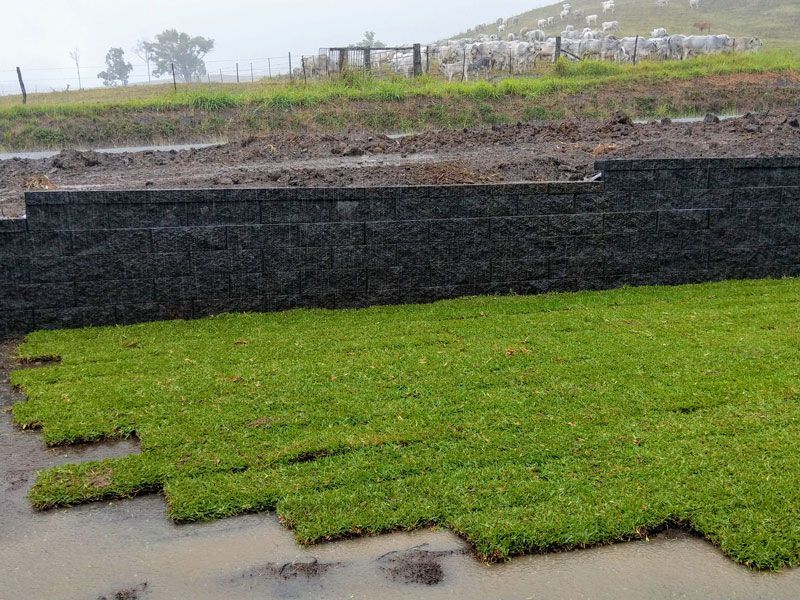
(456, 60)
(40, 80)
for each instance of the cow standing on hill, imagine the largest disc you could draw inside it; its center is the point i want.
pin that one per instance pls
(610, 26)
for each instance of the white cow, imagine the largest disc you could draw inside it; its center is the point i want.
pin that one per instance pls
(316, 66)
(601, 48)
(511, 37)
(569, 28)
(610, 26)
(545, 50)
(609, 6)
(541, 23)
(551, 21)
(706, 44)
(752, 44)
(451, 70)
(659, 32)
(564, 14)
(639, 47)
(571, 47)
(501, 28)
(694, 3)
(591, 20)
(537, 35)
(675, 46)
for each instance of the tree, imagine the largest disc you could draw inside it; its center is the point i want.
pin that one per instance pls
(143, 52)
(178, 48)
(369, 41)
(75, 54)
(117, 70)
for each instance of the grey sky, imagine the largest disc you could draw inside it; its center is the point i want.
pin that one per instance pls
(38, 34)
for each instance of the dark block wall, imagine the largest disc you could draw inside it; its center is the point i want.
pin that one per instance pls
(93, 258)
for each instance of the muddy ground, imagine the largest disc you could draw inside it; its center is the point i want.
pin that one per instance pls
(128, 550)
(560, 150)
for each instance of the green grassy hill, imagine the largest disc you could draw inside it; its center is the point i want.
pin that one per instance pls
(776, 22)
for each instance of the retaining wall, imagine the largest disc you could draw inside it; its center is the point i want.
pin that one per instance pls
(93, 258)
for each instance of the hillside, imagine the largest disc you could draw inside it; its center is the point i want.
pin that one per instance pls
(776, 22)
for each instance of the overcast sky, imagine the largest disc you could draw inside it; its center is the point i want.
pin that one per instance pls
(37, 35)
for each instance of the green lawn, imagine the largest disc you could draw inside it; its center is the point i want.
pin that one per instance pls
(522, 423)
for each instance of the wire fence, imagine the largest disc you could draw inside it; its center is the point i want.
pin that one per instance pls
(42, 80)
(458, 60)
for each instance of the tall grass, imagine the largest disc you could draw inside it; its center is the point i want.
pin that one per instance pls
(567, 77)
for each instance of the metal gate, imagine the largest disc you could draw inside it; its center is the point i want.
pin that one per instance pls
(400, 60)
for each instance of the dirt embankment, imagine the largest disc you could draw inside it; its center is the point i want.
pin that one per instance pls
(123, 125)
(560, 150)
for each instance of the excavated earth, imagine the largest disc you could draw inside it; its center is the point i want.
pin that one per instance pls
(536, 151)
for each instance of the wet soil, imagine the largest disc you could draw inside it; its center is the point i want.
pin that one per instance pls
(415, 565)
(129, 549)
(133, 593)
(534, 151)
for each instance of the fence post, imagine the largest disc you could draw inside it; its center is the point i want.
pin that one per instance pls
(342, 60)
(269, 67)
(209, 77)
(367, 59)
(417, 60)
(305, 75)
(427, 60)
(464, 66)
(291, 73)
(237, 73)
(252, 79)
(510, 63)
(174, 80)
(635, 49)
(220, 76)
(557, 53)
(22, 87)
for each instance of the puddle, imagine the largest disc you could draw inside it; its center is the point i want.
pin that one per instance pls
(688, 119)
(129, 549)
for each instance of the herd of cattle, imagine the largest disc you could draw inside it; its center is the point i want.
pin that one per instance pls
(467, 57)
(507, 51)
(516, 50)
